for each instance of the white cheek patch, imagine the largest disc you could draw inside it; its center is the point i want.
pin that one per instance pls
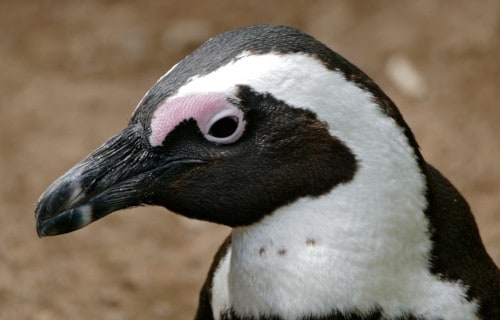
(200, 107)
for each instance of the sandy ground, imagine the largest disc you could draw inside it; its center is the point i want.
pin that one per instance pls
(73, 71)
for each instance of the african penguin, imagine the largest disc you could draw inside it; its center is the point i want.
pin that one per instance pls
(335, 213)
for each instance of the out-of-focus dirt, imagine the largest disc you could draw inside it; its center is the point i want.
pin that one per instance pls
(73, 71)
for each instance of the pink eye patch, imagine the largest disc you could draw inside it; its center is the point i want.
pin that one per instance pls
(205, 109)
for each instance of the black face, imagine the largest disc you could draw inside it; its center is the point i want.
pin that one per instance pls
(283, 154)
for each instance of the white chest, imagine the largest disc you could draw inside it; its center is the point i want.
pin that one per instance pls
(341, 264)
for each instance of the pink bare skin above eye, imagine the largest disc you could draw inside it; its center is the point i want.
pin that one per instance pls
(200, 107)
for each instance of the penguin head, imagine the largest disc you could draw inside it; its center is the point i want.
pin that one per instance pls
(253, 120)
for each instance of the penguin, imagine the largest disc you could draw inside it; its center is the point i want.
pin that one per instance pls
(334, 212)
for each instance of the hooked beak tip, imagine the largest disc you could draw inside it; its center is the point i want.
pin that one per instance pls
(58, 210)
(67, 221)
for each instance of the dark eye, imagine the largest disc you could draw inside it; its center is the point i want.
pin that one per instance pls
(224, 127)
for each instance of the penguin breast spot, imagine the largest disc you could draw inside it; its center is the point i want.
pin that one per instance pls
(282, 252)
(310, 242)
(262, 251)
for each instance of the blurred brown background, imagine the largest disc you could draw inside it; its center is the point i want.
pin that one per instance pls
(73, 71)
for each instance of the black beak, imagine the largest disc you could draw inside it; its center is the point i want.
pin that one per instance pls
(118, 175)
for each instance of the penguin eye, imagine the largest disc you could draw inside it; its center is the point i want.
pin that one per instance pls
(225, 126)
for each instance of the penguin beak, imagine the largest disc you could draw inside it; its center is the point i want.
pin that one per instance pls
(118, 175)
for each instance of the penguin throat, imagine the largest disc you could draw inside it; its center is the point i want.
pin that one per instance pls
(362, 247)
(347, 247)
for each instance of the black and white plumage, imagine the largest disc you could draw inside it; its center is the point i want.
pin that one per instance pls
(335, 213)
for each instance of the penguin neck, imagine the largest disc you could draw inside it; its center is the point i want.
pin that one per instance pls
(377, 224)
(363, 248)
(362, 237)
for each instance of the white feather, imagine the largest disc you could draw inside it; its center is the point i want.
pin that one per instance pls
(364, 245)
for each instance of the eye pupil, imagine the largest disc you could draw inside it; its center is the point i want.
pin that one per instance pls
(224, 127)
